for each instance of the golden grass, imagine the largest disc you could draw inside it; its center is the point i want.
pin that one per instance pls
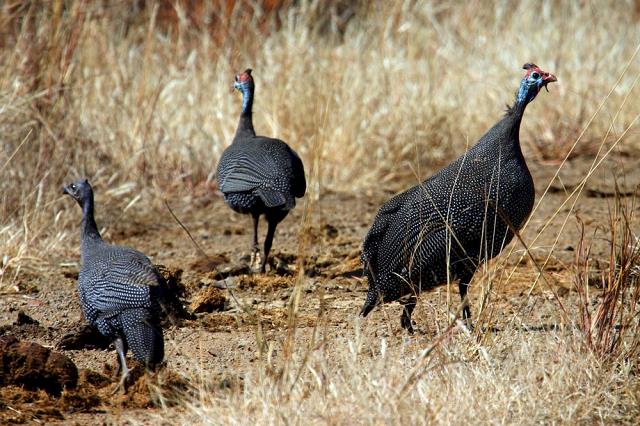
(527, 378)
(86, 92)
(404, 90)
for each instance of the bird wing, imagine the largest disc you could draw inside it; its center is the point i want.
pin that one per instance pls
(433, 237)
(124, 279)
(272, 198)
(410, 243)
(267, 166)
(406, 225)
(246, 173)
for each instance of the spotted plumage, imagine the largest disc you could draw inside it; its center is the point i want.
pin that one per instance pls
(120, 290)
(442, 229)
(259, 175)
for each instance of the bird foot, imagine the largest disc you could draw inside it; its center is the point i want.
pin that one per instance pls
(256, 261)
(120, 387)
(467, 322)
(406, 324)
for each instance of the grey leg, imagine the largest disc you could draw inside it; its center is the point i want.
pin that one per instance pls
(463, 286)
(267, 244)
(255, 249)
(405, 319)
(121, 349)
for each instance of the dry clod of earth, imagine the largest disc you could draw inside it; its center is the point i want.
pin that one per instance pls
(144, 389)
(209, 299)
(35, 367)
(174, 296)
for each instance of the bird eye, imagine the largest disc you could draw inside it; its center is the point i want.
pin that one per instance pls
(73, 186)
(535, 75)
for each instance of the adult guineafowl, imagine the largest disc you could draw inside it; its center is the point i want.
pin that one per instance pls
(461, 216)
(120, 290)
(259, 175)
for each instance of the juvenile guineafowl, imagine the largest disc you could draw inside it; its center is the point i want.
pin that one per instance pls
(120, 290)
(259, 175)
(461, 216)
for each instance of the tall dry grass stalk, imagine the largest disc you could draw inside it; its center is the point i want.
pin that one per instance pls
(609, 319)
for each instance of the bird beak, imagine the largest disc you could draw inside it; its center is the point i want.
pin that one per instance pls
(65, 191)
(548, 79)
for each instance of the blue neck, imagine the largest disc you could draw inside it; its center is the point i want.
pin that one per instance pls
(89, 227)
(527, 92)
(245, 125)
(247, 99)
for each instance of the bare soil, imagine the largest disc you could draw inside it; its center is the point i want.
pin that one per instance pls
(216, 339)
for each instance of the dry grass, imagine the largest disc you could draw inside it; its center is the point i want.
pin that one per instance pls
(86, 91)
(406, 89)
(526, 378)
(609, 320)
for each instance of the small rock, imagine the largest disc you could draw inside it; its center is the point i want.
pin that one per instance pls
(281, 266)
(231, 271)
(330, 231)
(71, 274)
(24, 319)
(311, 271)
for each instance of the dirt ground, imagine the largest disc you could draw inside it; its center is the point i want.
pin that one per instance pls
(221, 344)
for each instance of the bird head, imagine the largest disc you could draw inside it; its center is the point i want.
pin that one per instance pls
(534, 79)
(244, 83)
(79, 190)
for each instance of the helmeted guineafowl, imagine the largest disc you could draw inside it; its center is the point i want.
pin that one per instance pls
(120, 290)
(444, 227)
(259, 175)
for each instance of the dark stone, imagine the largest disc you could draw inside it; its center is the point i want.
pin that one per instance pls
(24, 319)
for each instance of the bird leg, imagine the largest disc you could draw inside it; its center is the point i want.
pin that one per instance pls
(463, 286)
(255, 248)
(405, 319)
(267, 244)
(121, 349)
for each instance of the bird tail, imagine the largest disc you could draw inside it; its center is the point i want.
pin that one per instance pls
(374, 297)
(372, 300)
(144, 336)
(272, 198)
(373, 294)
